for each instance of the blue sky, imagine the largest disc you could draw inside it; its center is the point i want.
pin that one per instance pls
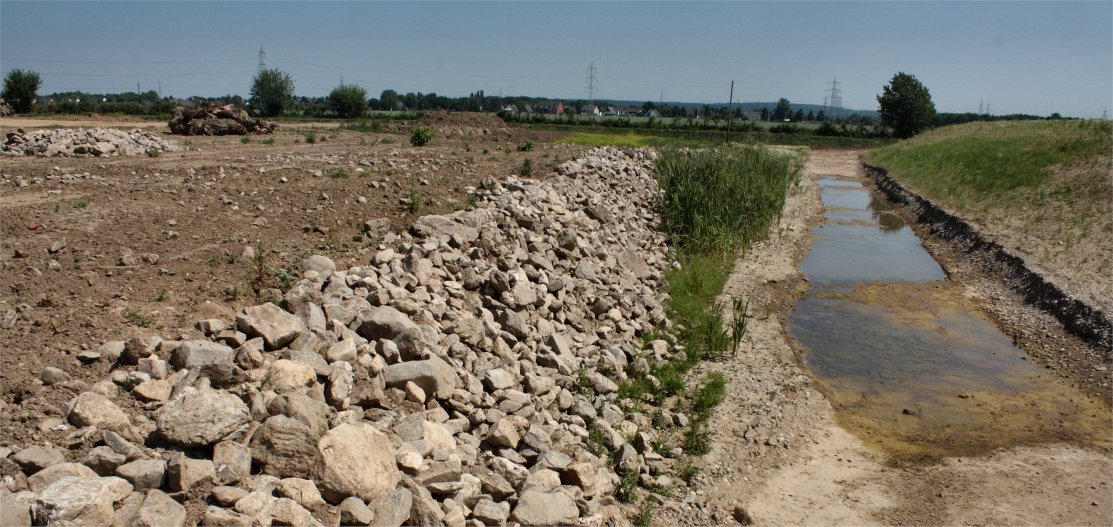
(1026, 57)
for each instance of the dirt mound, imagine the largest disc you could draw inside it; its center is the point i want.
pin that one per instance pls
(82, 142)
(217, 120)
(468, 125)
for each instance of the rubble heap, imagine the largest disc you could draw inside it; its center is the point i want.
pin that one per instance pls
(217, 120)
(85, 142)
(455, 379)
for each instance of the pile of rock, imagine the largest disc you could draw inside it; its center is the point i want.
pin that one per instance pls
(85, 142)
(217, 120)
(6, 109)
(454, 380)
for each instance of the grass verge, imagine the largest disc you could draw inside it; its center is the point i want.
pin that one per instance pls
(1041, 186)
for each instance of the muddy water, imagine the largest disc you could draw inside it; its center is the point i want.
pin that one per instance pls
(911, 365)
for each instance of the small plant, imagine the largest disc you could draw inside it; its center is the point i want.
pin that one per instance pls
(154, 153)
(628, 487)
(285, 279)
(584, 385)
(139, 318)
(230, 293)
(526, 146)
(644, 517)
(338, 173)
(81, 203)
(739, 323)
(596, 443)
(421, 136)
(162, 295)
(310, 137)
(527, 168)
(268, 141)
(245, 139)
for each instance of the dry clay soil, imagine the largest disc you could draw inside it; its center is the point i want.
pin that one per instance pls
(778, 450)
(194, 214)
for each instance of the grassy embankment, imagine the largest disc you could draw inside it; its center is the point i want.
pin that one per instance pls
(713, 203)
(1043, 185)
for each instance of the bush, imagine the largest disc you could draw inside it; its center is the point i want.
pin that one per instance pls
(20, 87)
(527, 168)
(526, 146)
(421, 136)
(348, 100)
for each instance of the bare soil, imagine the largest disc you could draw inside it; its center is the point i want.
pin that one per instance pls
(151, 245)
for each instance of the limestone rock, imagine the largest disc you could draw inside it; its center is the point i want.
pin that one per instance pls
(434, 376)
(160, 510)
(78, 502)
(35, 458)
(200, 418)
(144, 474)
(356, 460)
(385, 322)
(541, 507)
(271, 323)
(94, 409)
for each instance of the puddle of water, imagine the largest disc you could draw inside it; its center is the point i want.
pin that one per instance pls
(909, 362)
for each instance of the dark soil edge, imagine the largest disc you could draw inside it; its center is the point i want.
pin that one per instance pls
(1077, 317)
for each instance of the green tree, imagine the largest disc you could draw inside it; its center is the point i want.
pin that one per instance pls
(905, 105)
(348, 100)
(782, 111)
(389, 100)
(765, 114)
(271, 92)
(20, 87)
(798, 116)
(811, 115)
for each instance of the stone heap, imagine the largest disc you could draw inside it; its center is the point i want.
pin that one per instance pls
(453, 380)
(217, 120)
(84, 142)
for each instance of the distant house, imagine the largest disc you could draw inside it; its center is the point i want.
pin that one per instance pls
(590, 110)
(652, 113)
(751, 116)
(560, 108)
(509, 108)
(612, 111)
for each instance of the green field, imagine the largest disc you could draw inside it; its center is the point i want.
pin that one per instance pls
(1041, 186)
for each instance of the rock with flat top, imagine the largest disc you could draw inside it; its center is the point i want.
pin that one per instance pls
(273, 324)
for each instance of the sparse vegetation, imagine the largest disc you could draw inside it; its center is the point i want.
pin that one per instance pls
(139, 318)
(526, 169)
(526, 146)
(245, 139)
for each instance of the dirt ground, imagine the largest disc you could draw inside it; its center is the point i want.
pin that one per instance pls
(780, 454)
(98, 249)
(107, 249)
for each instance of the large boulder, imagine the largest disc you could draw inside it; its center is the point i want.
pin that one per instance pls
(199, 418)
(273, 324)
(385, 322)
(75, 502)
(356, 460)
(434, 376)
(537, 506)
(285, 447)
(94, 409)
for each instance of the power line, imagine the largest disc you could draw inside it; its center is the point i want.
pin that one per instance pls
(833, 101)
(591, 87)
(262, 58)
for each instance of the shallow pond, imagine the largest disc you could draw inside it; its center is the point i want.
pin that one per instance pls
(910, 363)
